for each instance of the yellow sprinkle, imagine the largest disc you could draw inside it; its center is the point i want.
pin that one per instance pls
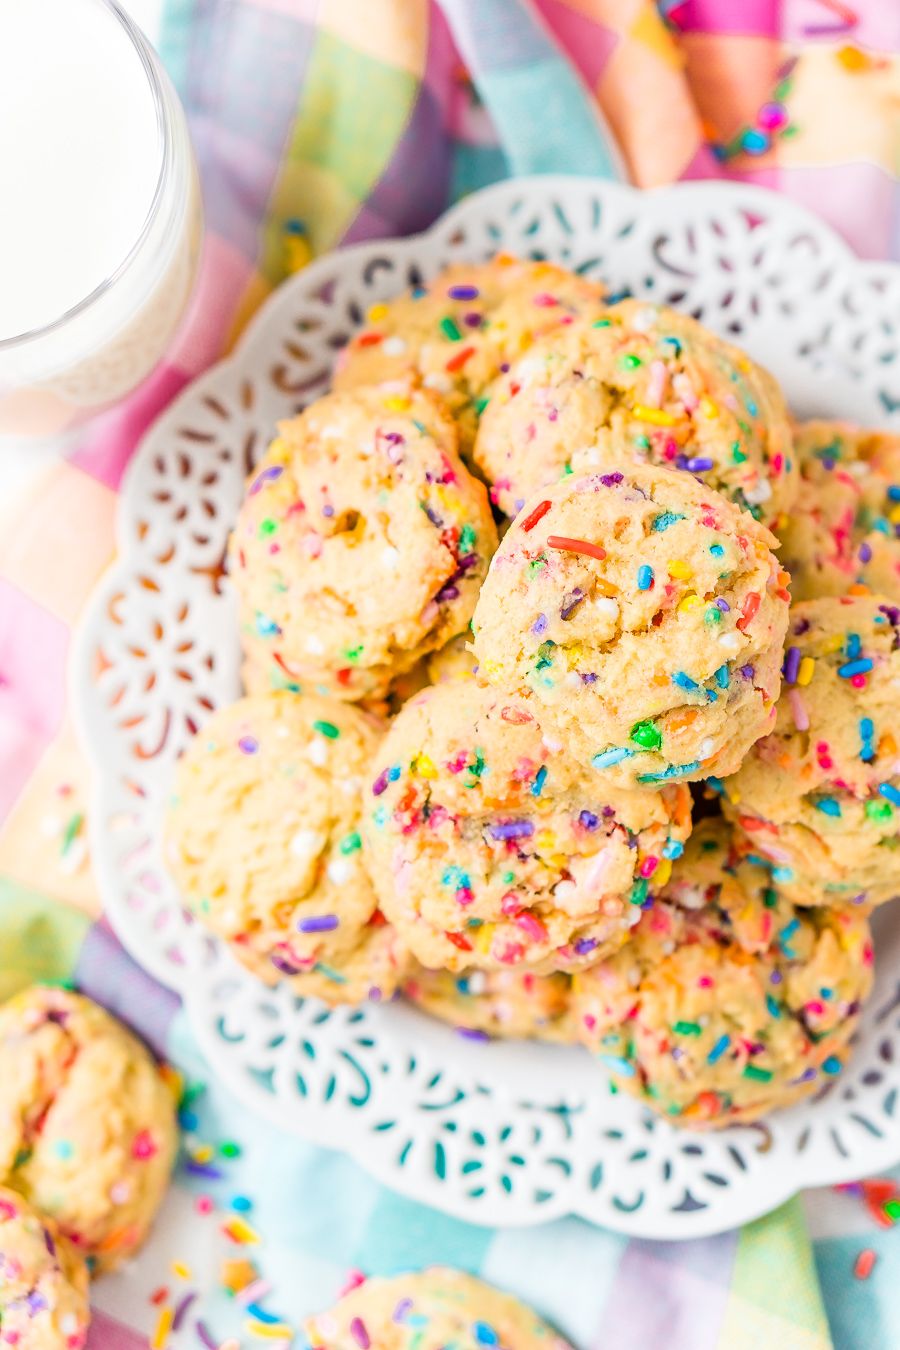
(663, 872)
(483, 936)
(377, 312)
(680, 570)
(163, 1327)
(690, 601)
(574, 653)
(242, 1232)
(708, 408)
(398, 404)
(491, 668)
(894, 516)
(181, 1270)
(545, 840)
(805, 671)
(525, 341)
(851, 58)
(271, 1331)
(834, 644)
(202, 1153)
(654, 415)
(733, 796)
(425, 767)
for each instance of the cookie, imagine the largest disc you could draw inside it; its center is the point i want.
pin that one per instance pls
(457, 333)
(639, 616)
(453, 662)
(263, 831)
(638, 384)
(361, 543)
(718, 1013)
(490, 846)
(43, 1281)
(509, 1003)
(87, 1123)
(819, 797)
(429, 1310)
(841, 534)
(370, 972)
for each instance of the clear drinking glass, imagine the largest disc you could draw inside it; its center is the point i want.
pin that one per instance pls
(99, 348)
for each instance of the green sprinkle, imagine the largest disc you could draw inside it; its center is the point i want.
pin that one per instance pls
(770, 898)
(230, 1150)
(758, 1075)
(351, 843)
(639, 892)
(629, 361)
(467, 538)
(353, 654)
(712, 617)
(879, 811)
(601, 323)
(567, 469)
(647, 735)
(327, 729)
(450, 328)
(421, 428)
(267, 527)
(508, 878)
(536, 565)
(480, 405)
(642, 442)
(737, 453)
(687, 1028)
(72, 829)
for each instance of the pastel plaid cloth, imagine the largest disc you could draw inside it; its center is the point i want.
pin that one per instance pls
(339, 120)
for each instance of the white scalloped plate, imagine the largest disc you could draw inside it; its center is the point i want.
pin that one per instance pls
(501, 1133)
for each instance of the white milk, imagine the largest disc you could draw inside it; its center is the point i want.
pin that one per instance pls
(80, 156)
(90, 138)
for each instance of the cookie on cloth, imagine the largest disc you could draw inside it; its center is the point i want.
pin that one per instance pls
(842, 531)
(87, 1122)
(489, 846)
(457, 332)
(361, 543)
(726, 1002)
(263, 831)
(635, 384)
(508, 1003)
(430, 1310)
(639, 616)
(43, 1281)
(819, 797)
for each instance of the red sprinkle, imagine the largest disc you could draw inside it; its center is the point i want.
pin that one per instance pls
(159, 1295)
(864, 1264)
(537, 514)
(580, 546)
(749, 611)
(368, 339)
(459, 941)
(144, 1145)
(459, 360)
(518, 716)
(343, 676)
(532, 926)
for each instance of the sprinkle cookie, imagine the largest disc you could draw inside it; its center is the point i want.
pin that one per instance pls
(485, 1003)
(640, 617)
(490, 846)
(841, 537)
(263, 833)
(43, 1281)
(716, 1014)
(819, 797)
(458, 332)
(361, 544)
(453, 662)
(634, 384)
(370, 972)
(87, 1123)
(430, 1310)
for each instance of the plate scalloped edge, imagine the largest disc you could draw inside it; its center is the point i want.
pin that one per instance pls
(505, 1133)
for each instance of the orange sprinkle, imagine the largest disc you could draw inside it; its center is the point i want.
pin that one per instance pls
(858, 589)
(561, 542)
(864, 1264)
(459, 360)
(368, 339)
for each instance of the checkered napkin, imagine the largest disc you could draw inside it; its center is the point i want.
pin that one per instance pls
(318, 122)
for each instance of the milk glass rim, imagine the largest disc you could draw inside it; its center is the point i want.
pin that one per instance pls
(164, 131)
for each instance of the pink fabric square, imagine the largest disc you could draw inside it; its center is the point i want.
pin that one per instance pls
(857, 200)
(586, 42)
(33, 646)
(108, 1333)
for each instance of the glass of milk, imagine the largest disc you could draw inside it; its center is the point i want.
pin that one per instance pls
(100, 216)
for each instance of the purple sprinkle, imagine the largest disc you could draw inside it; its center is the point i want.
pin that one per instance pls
(748, 672)
(381, 782)
(35, 1303)
(249, 745)
(394, 437)
(327, 510)
(892, 614)
(828, 462)
(792, 664)
(197, 1169)
(471, 1035)
(571, 602)
(585, 945)
(463, 292)
(539, 625)
(681, 461)
(609, 810)
(321, 923)
(203, 1332)
(267, 476)
(805, 1076)
(49, 1243)
(610, 479)
(723, 605)
(512, 829)
(519, 503)
(775, 977)
(859, 899)
(589, 820)
(181, 1311)
(446, 593)
(359, 1333)
(699, 464)
(801, 627)
(433, 517)
(589, 678)
(402, 1309)
(865, 553)
(280, 963)
(505, 367)
(472, 319)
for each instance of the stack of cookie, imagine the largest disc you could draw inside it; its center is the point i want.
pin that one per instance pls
(463, 768)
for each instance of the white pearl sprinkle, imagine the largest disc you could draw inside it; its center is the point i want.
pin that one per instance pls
(340, 870)
(707, 745)
(393, 346)
(318, 751)
(729, 641)
(607, 606)
(759, 494)
(306, 843)
(390, 558)
(314, 645)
